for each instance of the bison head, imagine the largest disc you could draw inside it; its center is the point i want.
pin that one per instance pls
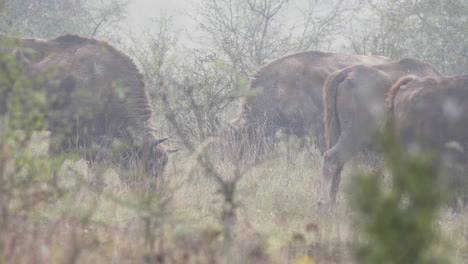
(150, 159)
(154, 157)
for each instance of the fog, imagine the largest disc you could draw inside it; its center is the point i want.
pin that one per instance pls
(233, 131)
(141, 13)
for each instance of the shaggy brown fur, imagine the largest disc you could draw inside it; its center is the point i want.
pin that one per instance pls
(287, 93)
(96, 94)
(429, 110)
(430, 114)
(354, 104)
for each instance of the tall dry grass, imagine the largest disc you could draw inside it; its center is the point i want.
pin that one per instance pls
(276, 220)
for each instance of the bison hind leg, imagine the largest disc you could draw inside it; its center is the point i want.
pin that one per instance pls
(331, 170)
(333, 162)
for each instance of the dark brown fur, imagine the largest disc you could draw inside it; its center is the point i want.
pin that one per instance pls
(289, 95)
(354, 104)
(420, 109)
(97, 94)
(430, 114)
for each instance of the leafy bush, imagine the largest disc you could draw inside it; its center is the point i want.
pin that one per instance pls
(398, 223)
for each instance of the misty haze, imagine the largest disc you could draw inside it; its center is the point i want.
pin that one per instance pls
(233, 131)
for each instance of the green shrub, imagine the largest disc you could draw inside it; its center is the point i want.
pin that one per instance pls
(398, 222)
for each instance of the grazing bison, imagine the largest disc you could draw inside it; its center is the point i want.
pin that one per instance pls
(287, 94)
(432, 114)
(354, 102)
(94, 95)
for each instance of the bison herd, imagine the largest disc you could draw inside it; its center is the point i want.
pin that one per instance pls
(97, 97)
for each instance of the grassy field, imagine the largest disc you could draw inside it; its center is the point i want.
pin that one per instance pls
(274, 218)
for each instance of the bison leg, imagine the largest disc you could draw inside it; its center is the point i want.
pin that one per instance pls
(333, 162)
(331, 170)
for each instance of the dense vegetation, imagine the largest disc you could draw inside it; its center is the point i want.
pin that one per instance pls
(57, 210)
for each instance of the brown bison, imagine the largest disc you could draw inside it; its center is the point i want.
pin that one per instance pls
(95, 99)
(287, 94)
(354, 104)
(431, 114)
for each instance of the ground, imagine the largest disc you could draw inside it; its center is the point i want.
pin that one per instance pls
(182, 222)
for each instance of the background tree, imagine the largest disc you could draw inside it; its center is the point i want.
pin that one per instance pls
(248, 33)
(48, 19)
(433, 31)
(234, 38)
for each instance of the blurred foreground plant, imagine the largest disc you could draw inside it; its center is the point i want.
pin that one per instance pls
(25, 180)
(398, 223)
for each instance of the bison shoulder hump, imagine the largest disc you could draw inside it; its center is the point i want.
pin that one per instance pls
(72, 38)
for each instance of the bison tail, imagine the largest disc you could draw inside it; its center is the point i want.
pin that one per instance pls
(330, 93)
(390, 100)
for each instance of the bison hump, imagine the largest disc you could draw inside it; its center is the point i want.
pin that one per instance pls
(71, 38)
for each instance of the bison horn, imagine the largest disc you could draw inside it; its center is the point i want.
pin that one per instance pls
(171, 150)
(156, 142)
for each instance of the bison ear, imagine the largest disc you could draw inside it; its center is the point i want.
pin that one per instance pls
(156, 142)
